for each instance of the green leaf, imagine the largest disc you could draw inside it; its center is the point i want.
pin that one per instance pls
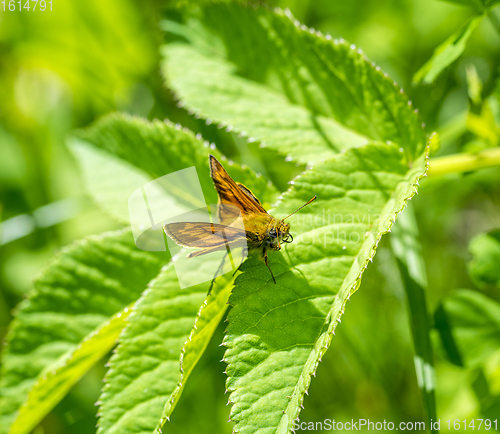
(469, 324)
(167, 321)
(120, 154)
(277, 333)
(65, 372)
(159, 330)
(79, 291)
(311, 98)
(206, 322)
(483, 268)
(315, 100)
(446, 53)
(408, 252)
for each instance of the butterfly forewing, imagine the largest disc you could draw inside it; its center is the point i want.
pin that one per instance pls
(232, 195)
(203, 235)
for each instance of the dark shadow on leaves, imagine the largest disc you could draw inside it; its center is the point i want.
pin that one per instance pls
(283, 315)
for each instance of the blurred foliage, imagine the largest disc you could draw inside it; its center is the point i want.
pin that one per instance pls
(483, 268)
(64, 69)
(469, 325)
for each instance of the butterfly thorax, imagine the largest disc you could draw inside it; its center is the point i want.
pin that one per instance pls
(263, 230)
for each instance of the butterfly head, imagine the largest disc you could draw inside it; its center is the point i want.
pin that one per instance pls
(279, 231)
(277, 234)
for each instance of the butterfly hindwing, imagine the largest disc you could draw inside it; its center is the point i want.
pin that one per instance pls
(248, 192)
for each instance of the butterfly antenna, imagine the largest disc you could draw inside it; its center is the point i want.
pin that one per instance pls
(299, 208)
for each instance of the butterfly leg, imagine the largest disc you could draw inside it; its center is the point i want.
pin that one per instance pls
(211, 286)
(244, 254)
(217, 273)
(267, 265)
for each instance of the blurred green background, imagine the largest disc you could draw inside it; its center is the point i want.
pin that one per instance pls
(63, 69)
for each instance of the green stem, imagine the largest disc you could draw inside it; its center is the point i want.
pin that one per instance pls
(464, 162)
(405, 242)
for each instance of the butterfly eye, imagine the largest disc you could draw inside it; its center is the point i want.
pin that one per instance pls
(272, 233)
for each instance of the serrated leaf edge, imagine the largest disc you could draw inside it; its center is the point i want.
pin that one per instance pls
(48, 373)
(131, 309)
(334, 315)
(221, 124)
(176, 393)
(50, 263)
